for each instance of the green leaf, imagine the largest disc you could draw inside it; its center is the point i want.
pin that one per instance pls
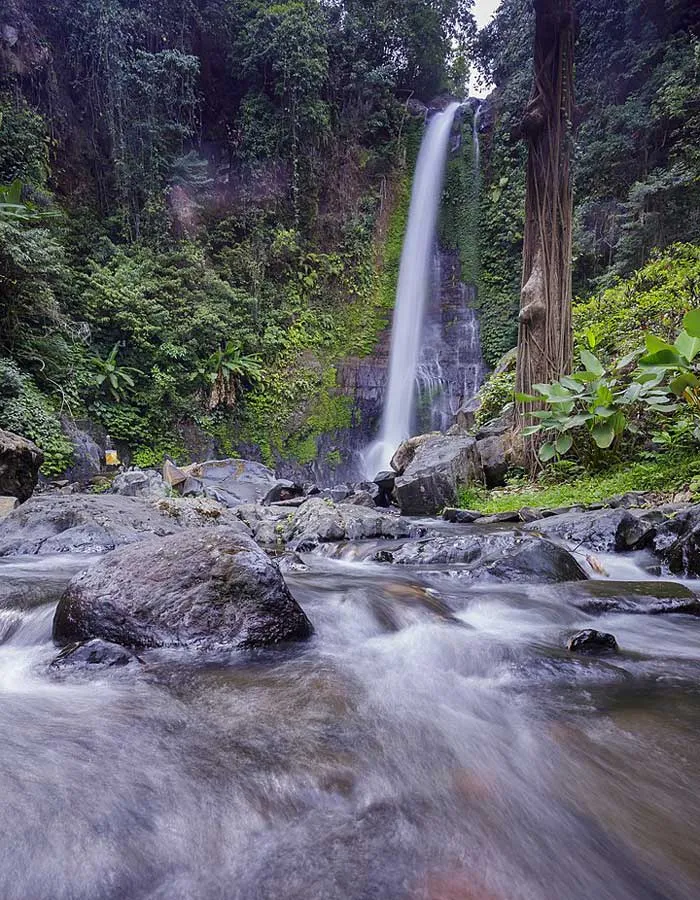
(547, 452)
(572, 384)
(591, 363)
(683, 381)
(531, 429)
(526, 398)
(577, 421)
(603, 434)
(584, 377)
(563, 444)
(625, 360)
(618, 423)
(631, 395)
(604, 412)
(654, 344)
(691, 323)
(668, 357)
(687, 346)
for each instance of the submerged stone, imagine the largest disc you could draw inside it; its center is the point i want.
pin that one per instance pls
(591, 641)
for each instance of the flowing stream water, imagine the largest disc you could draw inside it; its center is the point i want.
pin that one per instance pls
(412, 290)
(432, 741)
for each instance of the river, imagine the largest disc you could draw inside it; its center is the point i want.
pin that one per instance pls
(432, 741)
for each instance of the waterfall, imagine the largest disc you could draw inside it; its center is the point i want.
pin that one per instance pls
(475, 143)
(412, 290)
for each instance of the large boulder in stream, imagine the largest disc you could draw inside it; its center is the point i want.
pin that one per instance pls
(20, 461)
(97, 523)
(441, 464)
(206, 589)
(233, 481)
(651, 598)
(605, 530)
(493, 556)
(320, 521)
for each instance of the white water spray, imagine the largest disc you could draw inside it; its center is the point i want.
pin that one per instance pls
(412, 290)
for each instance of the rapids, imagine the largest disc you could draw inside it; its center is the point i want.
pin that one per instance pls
(433, 741)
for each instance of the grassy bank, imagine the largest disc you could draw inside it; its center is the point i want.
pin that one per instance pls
(666, 474)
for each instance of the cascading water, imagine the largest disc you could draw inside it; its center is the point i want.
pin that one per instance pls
(412, 290)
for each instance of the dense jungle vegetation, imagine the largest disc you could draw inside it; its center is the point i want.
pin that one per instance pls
(213, 195)
(213, 203)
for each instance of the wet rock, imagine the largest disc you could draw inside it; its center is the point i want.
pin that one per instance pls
(431, 481)
(283, 490)
(7, 505)
(88, 456)
(192, 487)
(294, 503)
(385, 482)
(265, 523)
(632, 597)
(97, 523)
(461, 516)
(405, 454)
(20, 461)
(502, 557)
(542, 562)
(362, 498)
(469, 548)
(173, 476)
(94, 654)
(233, 481)
(498, 518)
(677, 541)
(139, 483)
(291, 564)
(492, 455)
(605, 530)
(201, 589)
(34, 585)
(339, 493)
(323, 521)
(630, 500)
(494, 428)
(199, 512)
(591, 641)
(530, 514)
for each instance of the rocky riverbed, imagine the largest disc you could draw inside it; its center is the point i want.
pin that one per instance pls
(292, 696)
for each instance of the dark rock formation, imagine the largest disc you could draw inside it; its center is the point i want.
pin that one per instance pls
(283, 490)
(94, 654)
(204, 589)
(233, 481)
(440, 465)
(143, 483)
(20, 461)
(493, 459)
(644, 597)
(460, 516)
(97, 523)
(677, 541)
(606, 530)
(492, 556)
(592, 642)
(319, 521)
(385, 481)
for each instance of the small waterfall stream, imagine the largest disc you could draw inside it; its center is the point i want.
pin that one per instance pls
(412, 290)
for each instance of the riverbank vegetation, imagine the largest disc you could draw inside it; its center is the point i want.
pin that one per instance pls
(626, 417)
(228, 185)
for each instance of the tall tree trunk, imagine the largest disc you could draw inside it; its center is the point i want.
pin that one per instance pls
(544, 329)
